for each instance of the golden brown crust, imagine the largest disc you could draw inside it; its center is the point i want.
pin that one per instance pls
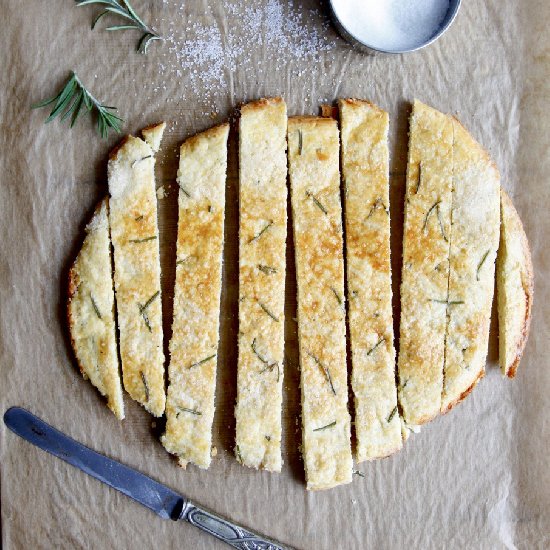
(464, 394)
(114, 152)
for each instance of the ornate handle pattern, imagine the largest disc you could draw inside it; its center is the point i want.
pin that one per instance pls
(228, 532)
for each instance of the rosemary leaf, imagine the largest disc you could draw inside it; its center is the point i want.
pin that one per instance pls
(325, 371)
(151, 299)
(143, 310)
(123, 8)
(300, 142)
(358, 473)
(419, 176)
(377, 203)
(256, 353)
(202, 361)
(145, 385)
(266, 269)
(184, 191)
(256, 237)
(317, 202)
(447, 302)
(337, 296)
(331, 425)
(427, 218)
(94, 305)
(375, 347)
(480, 264)
(391, 415)
(147, 239)
(184, 409)
(139, 160)
(267, 311)
(69, 101)
(441, 228)
(138, 218)
(238, 454)
(268, 437)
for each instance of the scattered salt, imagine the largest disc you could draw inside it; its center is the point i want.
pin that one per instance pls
(392, 24)
(206, 52)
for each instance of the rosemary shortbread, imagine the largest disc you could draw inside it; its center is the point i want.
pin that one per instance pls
(514, 287)
(194, 343)
(425, 272)
(90, 311)
(313, 147)
(474, 238)
(262, 250)
(365, 170)
(134, 232)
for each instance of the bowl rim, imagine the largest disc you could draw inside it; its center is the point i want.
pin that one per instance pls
(350, 37)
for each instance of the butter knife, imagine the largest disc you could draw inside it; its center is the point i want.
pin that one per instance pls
(152, 494)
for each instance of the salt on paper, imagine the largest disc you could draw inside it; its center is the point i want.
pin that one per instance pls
(392, 25)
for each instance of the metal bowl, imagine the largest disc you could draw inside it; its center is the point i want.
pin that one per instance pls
(362, 42)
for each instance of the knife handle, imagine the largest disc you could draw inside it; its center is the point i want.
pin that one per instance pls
(226, 531)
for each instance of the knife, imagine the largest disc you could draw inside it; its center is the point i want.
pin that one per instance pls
(153, 495)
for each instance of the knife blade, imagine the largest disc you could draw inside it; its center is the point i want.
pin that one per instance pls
(150, 493)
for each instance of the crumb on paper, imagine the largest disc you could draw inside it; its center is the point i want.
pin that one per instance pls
(161, 193)
(214, 452)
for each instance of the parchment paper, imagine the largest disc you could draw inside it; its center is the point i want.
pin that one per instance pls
(476, 478)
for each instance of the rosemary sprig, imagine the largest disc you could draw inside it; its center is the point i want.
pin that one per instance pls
(268, 312)
(266, 269)
(202, 361)
(145, 385)
(317, 202)
(480, 264)
(190, 411)
(124, 9)
(143, 309)
(375, 347)
(70, 101)
(325, 371)
(147, 239)
(256, 237)
(391, 415)
(331, 425)
(94, 305)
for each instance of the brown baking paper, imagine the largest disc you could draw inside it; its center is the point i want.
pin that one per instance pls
(475, 478)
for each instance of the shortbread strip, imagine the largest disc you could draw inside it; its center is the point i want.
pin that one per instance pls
(135, 237)
(317, 223)
(365, 170)
(262, 264)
